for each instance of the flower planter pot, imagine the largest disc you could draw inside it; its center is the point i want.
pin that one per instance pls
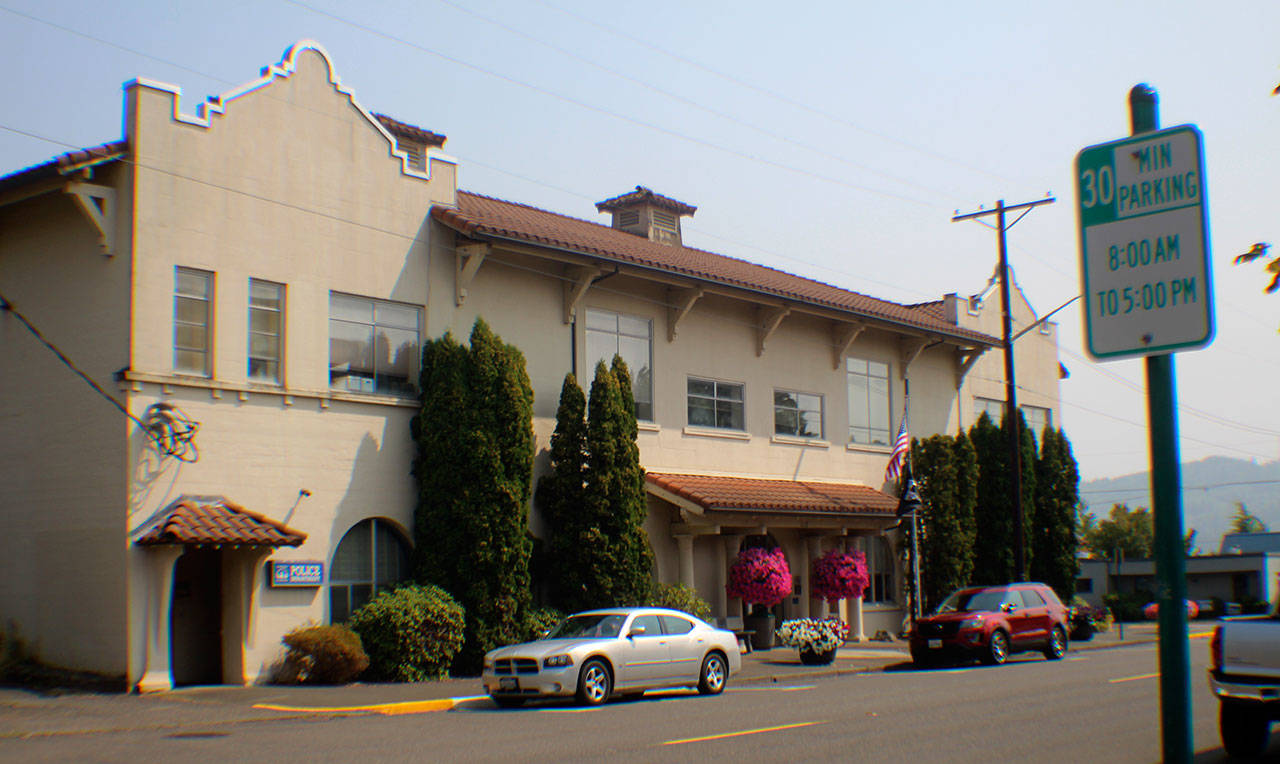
(762, 625)
(812, 658)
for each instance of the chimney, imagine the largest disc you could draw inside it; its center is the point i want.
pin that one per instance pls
(644, 213)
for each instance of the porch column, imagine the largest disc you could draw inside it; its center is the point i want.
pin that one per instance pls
(732, 542)
(855, 626)
(722, 578)
(813, 549)
(239, 619)
(684, 545)
(157, 674)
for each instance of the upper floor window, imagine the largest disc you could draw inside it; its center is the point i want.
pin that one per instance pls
(1037, 418)
(798, 414)
(990, 407)
(716, 404)
(373, 345)
(610, 334)
(868, 402)
(266, 307)
(192, 295)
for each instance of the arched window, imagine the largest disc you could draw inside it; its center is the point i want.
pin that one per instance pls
(880, 570)
(371, 557)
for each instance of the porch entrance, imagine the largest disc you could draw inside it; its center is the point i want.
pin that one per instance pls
(195, 620)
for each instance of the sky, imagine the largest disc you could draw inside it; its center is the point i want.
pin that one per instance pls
(831, 140)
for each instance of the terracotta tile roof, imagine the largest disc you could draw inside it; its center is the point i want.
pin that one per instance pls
(642, 194)
(478, 215)
(218, 521)
(766, 495)
(936, 308)
(411, 132)
(63, 163)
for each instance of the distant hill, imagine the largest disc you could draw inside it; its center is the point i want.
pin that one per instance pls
(1210, 489)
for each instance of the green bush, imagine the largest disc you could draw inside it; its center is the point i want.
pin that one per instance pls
(1127, 606)
(411, 634)
(679, 597)
(322, 655)
(539, 621)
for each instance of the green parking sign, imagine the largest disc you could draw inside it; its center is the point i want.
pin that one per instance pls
(1144, 247)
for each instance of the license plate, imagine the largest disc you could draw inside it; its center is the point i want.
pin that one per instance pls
(508, 683)
(935, 644)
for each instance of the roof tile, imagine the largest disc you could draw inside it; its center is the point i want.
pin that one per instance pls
(218, 521)
(762, 494)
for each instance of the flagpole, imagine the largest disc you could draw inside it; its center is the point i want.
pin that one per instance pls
(915, 528)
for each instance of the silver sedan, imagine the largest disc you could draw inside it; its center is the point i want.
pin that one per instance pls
(623, 651)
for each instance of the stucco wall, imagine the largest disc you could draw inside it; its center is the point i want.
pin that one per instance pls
(62, 462)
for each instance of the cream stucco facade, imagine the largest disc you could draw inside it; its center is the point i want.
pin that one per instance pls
(290, 181)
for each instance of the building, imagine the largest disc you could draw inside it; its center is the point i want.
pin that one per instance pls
(1240, 577)
(252, 282)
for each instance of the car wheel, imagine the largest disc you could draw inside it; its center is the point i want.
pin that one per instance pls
(509, 702)
(997, 649)
(1057, 644)
(921, 660)
(594, 683)
(1083, 632)
(1244, 729)
(714, 676)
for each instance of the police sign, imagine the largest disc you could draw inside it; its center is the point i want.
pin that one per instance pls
(1144, 249)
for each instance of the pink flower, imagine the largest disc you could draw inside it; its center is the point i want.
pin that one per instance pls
(839, 575)
(760, 576)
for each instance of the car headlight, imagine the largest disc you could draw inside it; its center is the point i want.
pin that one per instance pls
(557, 661)
(971, 623)
(488, 663)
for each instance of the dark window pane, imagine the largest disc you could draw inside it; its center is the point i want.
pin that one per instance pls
(702, 387)
(264, 370)
(339, 604)
(702, 413)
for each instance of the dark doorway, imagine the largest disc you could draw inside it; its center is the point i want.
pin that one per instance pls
(195, 620)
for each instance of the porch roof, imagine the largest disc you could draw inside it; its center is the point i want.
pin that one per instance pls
(712, 493)
(218, 521)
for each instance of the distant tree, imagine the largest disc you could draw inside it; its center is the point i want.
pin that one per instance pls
(1053, 539)
(1243, 521)
(475, 470)
(1260, 250)
(945, 470)
(1130, 531)
(1189, 543)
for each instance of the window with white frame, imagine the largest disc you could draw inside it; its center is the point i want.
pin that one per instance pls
(373, 345)
(716, 404)
(610, 334)
(1037, 418)
(266, 312)
(192, 296)
(990, 407)
(371, 557)
(868, 402)
(879, 571)
(797, 414)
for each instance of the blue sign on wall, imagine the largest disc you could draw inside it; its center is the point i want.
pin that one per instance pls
(297, 573)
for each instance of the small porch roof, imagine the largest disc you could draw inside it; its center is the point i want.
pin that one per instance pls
(218, 521)
(708, 494)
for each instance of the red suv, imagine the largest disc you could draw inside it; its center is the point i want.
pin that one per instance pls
(990, 623)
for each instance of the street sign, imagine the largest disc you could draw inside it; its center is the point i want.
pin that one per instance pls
(1144, 247)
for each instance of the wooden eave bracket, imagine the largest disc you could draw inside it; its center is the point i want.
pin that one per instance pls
(468, 258)
(844, 336)
(98, 203)
(770, 320)
(965, 359)
(576, 287)
(911, 349)
(682, 302)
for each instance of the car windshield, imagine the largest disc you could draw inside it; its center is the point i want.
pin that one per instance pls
(588, 627)
(972, 601)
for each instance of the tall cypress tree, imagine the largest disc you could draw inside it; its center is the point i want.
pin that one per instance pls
(630, 503)
(944, 469)
(1053, 529)
(475, 467)
(561, 499)
(993, 520)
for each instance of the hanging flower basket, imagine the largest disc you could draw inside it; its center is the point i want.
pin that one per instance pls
(816, 639)
(839, 575)
(760, 577)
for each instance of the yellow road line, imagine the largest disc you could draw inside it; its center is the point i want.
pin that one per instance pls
(387, 709)
(741, 733)
(1132, 678)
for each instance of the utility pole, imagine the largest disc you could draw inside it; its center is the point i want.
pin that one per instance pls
(1010, 389)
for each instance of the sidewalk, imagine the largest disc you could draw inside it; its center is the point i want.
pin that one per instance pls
(25, 714)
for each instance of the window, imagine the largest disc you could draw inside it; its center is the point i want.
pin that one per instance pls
(868, 402)
(798, 414)
(716, 404)
(1084, 586)
(992, 408)
(650, 623)
(266, 306)
(664, 220)
(610, 334)
(192, 291)
(880, 571)
(675, 625)
(370, 558)
(1037, 418)
(373, 345)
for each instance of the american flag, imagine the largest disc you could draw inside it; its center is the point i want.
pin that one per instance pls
(900, 448)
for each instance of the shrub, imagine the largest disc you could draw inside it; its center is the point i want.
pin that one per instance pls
(680, 597)
(1127, 606)
(539, 621)
(411, 633)
(322, 655)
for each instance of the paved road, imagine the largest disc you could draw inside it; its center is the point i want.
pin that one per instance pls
(1100, 705)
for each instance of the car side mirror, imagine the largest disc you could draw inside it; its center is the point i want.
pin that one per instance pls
(1008, 607)
(637, 631)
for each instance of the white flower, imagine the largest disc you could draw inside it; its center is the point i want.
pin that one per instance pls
(816, 635)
